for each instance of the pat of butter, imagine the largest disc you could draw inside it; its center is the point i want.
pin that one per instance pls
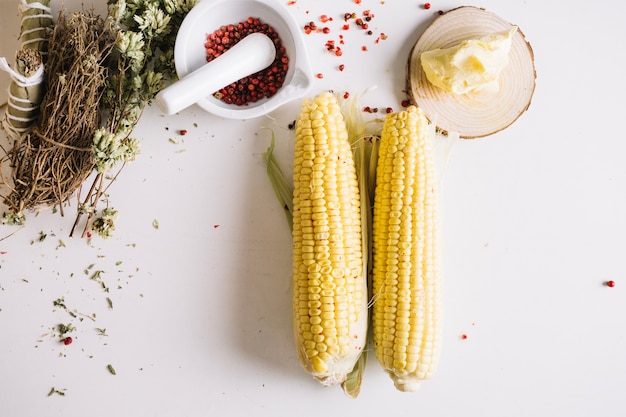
(472, 65)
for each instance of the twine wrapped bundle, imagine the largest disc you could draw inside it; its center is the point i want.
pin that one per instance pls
(26, 90)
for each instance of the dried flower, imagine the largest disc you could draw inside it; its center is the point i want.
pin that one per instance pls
(107, 149)
(105, 224)
(153, 22)
(131, 46)
(13, 219)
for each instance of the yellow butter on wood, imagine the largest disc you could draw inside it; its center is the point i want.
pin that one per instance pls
(472, 65)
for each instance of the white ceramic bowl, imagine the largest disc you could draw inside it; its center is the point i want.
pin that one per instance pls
(208, 16)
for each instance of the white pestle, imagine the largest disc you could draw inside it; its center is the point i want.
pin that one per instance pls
(251, 54)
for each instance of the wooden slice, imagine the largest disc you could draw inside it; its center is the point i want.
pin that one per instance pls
(478, 114)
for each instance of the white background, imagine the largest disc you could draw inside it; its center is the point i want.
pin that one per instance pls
(533, 225)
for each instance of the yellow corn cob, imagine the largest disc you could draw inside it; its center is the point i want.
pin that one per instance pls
(406, 284)
(329, 284)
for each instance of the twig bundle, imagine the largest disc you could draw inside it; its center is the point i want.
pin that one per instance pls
(51, 161)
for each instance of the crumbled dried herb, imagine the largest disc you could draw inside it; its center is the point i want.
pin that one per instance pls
(60, 302)
(56, 391)
(111, 369)
(65, 328)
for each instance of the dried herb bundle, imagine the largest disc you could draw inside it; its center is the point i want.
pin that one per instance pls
(100, 76)
(144, 51)
(55, 157)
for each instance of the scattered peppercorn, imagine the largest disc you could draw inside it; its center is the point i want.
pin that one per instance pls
(319, 75)
(405, 103)
(440, 12)
(388, 110)
(426, 6)
(341, 67)
(182, 132)
(346, 95)
(463, 336)
(610, 284)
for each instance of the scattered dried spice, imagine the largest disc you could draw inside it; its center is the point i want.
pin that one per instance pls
(155, 224)
(426, 6)
(362, 22)
(67, 340)
(610, 283)
(463, 336)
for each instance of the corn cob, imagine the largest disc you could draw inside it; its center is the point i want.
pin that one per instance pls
(406, 286)
(329, 282)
